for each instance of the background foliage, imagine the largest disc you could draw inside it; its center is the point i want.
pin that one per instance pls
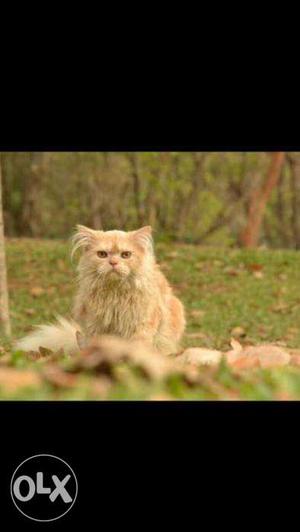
(197, 197)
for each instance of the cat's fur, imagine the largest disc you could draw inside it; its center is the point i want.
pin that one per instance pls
(130, 298)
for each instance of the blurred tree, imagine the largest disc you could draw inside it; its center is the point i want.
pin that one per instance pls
(31, 204)
(202, 197)
(294, 163)
(258, 200)
(197, 183)
(4, 309)
(136, 181)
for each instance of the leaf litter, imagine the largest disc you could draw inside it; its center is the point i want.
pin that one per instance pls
(109, 360)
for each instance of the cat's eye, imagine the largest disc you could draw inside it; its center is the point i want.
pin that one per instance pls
(126, 254)
(102, 254)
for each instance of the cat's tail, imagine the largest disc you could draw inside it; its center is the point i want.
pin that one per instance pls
(61, 335)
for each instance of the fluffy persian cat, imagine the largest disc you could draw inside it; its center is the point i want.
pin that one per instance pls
(121, 292)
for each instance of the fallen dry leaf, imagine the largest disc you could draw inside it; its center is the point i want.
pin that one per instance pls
(264, 355)
(282, 276)
(37, 291)
(245, 362)
(295, 360)
(232, 271)
(235, 344)
(57, 377)
(30, 311)
(255, 267)
(293, 351)
(33, 355)
(44, 351)
(204, 266)
(199, 355)
(258, 275)
(197, 313)
(269, 355)
(100, 386)
(13, 380)
(44, 354)
(238, 332)
(161, 397)
(280, 307)
(172, 254)
(280, 343)
(106, 351)
(293, 330)
(285, 396)
(235, 352)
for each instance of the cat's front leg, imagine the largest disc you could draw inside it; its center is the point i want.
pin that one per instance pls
(148, 329)
(79, 310)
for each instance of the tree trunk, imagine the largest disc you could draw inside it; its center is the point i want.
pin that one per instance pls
(31, 215)
(294, 162)
(258, 201)
(133, 158)
(280, 211)
(4, 310)
(192, 198)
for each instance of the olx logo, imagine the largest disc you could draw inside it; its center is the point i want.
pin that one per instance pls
(44, 487)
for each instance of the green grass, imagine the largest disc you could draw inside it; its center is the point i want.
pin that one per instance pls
(222, 289)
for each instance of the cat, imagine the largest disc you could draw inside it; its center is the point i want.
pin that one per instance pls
(121, 292)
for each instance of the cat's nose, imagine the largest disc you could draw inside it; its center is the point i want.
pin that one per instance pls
(113, 261)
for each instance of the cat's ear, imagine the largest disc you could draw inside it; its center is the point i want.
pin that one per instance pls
(144, 237)
(83, 238)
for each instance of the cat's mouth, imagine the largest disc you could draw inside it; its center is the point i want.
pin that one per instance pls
(115, 271)
(116, 277)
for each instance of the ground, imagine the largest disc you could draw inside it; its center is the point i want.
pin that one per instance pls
(253, 295)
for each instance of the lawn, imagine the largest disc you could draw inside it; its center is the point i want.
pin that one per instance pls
(252, 295)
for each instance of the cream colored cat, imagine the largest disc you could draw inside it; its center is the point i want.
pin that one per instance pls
(121, 292)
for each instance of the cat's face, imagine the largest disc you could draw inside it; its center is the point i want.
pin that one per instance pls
(115, 254)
